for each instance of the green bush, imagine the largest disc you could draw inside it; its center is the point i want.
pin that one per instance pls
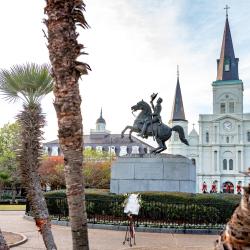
(173, 208)
(6, 197)
(175, 197)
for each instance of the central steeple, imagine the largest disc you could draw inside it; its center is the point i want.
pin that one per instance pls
(228, 88)
(227, 65)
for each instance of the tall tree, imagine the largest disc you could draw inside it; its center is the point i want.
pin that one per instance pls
(236, 235)
(64, 49)
(29, 83)
(9, 142)
(51, 172)
(4, 178)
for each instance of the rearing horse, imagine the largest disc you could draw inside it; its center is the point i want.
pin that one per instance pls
(161, 132)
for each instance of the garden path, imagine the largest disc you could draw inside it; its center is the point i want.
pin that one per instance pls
(103, 239)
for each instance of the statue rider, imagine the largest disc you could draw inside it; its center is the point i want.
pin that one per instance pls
(156, 116)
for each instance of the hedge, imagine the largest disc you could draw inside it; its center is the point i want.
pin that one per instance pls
(157, 207)
(174, 197)
(169, 197)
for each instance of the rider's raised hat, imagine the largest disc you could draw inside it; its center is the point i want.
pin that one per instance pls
(153, 96)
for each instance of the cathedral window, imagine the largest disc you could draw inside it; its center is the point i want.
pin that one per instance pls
(231, 107)
(227, 139)
(239, 160)
(215, 160)
(224, 164)
(215, 134)
(223, 108)
(231, 164)
(248, 136)
(227, 64)
(193, 161)
(207, 137)
(49, 151)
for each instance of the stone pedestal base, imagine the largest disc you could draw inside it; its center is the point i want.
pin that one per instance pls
(164, 172)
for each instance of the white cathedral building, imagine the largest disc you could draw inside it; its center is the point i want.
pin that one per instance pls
(221, 149)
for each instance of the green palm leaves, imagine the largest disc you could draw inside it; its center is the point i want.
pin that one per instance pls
(28, 82)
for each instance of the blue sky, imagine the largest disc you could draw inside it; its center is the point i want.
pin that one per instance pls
(134, 47)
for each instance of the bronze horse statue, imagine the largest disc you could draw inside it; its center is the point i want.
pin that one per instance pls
(160, 131)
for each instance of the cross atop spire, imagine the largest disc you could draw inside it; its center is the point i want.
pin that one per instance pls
(227, 8)
(178, 73)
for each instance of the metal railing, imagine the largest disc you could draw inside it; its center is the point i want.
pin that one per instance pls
(152, 214)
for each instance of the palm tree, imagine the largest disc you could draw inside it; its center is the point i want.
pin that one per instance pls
(3, 244)
(237, 232)
(29, 83)
(63, 16)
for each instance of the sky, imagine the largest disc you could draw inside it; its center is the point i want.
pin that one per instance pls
(134, 47)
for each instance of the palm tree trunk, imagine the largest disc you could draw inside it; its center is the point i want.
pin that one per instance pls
(64, 49)
(3, 244)
(31, 121)
(237, 232)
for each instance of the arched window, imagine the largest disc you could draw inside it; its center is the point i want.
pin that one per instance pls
(231, 166)
(49, 151)
(231, 107)
(215, 160)
(223, 108)
(227, 64)
(224, 164)
(248, 136)
(207, 137)
(193, 161)
(239, 160)
(227, 139)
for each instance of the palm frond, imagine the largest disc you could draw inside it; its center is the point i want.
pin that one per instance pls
(29, 82)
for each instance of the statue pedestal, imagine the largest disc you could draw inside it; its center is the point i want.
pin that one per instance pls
(163, 172)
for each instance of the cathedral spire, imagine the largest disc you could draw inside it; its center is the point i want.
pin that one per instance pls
(178, 113)
(227, 65)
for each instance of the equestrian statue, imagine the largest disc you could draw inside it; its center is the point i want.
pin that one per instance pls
(149, 123)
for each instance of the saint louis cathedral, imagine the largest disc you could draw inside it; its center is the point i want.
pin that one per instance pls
(221, 149)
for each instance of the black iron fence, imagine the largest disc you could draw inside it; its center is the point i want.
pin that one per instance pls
(152, 214)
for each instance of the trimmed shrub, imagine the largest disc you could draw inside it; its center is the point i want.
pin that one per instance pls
(167, 208)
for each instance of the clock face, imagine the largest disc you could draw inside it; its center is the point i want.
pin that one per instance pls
(227, 125)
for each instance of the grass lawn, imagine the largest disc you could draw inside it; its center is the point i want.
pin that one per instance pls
(12, 207)
(95, 190)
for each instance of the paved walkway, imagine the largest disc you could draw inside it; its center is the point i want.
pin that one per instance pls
(103, 239)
